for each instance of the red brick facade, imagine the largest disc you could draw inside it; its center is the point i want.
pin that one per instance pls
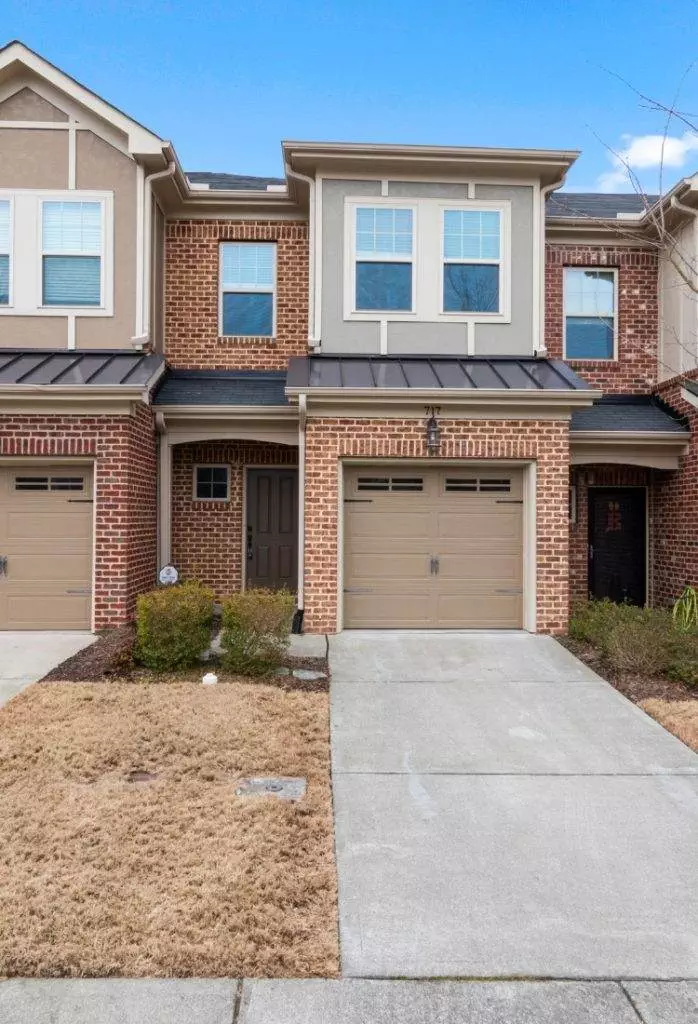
(676, 501)
(328, 441)
(207, 536)
(635, 370)
(124, 451)
(192, 295)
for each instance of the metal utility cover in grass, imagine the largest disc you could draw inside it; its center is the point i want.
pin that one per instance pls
(279, 786)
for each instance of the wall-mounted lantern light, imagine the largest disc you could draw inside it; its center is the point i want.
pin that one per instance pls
(433, 431)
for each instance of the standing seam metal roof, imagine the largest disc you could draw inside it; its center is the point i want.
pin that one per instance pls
(87, 368)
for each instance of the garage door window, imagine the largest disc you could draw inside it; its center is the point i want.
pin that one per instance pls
(49, 483)
(390, 483)
(482, 485)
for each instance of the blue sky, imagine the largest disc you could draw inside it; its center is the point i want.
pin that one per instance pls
(225, 81)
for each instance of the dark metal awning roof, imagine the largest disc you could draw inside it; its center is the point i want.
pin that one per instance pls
(438, 374)
(221, 387)
(628, 414)
(29, 369)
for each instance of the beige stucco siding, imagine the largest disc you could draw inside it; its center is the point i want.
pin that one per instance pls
(100, 166)
(33, 158)
(27, 105)
(33, 332)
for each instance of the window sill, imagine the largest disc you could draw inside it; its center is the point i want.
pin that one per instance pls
(77, 311)
(603, 360)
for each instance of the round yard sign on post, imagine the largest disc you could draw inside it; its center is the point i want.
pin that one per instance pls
(168, 575)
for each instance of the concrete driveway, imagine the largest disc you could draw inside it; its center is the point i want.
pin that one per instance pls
(27, 656)
(503, 812)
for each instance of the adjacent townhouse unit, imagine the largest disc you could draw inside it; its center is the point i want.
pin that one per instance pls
(417, 385)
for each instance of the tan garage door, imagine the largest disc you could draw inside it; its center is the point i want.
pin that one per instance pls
(433, 547)
(45, 546)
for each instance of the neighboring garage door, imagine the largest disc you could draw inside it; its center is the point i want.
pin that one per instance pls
(433, 547)
(45, 546)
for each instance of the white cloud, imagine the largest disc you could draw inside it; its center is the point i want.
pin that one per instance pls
(646, 153)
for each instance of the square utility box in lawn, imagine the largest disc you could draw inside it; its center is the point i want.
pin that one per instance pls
(126, 851)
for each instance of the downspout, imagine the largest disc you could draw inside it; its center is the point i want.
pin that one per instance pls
(682, 208)
(302, 415)
(545, 192)
(313, 327)
(164, 492)
(144, 336)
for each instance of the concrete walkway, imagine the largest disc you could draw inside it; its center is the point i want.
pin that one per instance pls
(503, 812)
(28, 655)
(225, 1001)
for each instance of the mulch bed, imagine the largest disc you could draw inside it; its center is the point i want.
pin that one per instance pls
(110, 659)
(635, 687)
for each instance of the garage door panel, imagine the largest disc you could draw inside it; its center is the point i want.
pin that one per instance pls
(485, 524)
(399, 565)
(392, 524)
(377, 609)
(46, 537)
(474, 530)
(481, 611)
(482, 567)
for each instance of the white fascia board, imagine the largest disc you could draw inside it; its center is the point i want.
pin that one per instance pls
(228, 412)
(476, 396)
(662, 437)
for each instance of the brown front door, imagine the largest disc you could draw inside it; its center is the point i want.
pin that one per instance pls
(272, 528)
(618, 544)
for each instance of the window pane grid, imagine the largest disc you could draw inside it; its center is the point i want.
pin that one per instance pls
(471, 235)
(247, 266)
(211, 483)
(383, 233)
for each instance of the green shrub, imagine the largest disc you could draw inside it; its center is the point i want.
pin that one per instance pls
(173, 625)
(684, 671)
(592, 621)
(256, 630)
(640, 642)
(685, 610)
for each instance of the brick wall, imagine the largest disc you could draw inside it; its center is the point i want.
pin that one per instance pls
(675, 504)
(207, 538)
(191, 295)
(125, 489)
(635, 370)
(330, 440)
(592, 475)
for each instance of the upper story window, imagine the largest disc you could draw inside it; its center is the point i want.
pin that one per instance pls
(71, 257)
(4, 252)
(56, 253)
(248, 286)
(471, 261)
(427, 260)
(590, 313)
(383, 258)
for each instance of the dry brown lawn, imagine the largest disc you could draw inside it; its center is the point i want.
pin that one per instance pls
(177, 876)
(678, 716)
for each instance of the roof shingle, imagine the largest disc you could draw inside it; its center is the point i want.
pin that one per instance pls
(222, 387)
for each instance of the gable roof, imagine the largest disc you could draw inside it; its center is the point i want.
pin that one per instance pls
(15, 56)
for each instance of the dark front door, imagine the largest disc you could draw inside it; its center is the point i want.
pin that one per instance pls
(617, 544)
(272, 528)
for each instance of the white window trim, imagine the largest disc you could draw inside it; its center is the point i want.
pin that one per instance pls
(262, 288)
(590, 359)
(210, 465)
(10, 252)
(427, 260)
(26, 242)
(46, 252)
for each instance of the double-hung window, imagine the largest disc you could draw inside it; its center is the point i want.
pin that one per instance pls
(471, 261)
(383, 258)
(5, 249)
(71, 253)
(248, 283)
(590, 313)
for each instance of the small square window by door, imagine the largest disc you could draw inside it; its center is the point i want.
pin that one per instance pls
(212, 483)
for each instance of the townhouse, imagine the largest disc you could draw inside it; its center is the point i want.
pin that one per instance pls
(420, 386)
